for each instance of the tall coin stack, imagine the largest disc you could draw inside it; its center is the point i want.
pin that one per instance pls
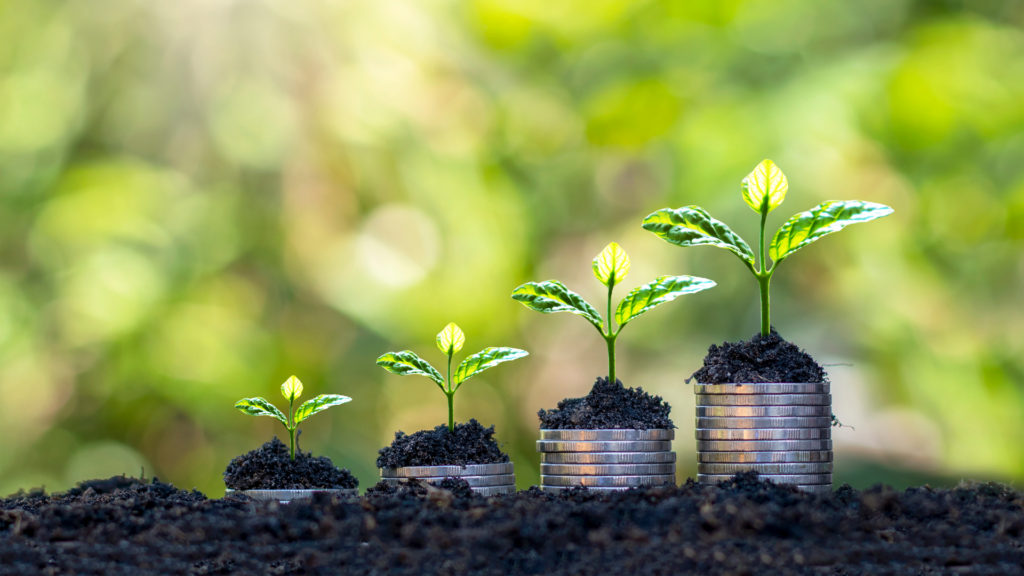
(484, 479)
(782, 431)
(606, 459)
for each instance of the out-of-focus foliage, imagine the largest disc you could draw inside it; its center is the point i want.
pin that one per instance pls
(197, 197)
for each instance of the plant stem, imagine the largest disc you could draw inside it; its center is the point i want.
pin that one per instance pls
(609, 336)
(451, 395)
(291, 426)
(764, 277)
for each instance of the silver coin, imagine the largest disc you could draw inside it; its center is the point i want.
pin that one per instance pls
(286, 496)
(786, 468)
(764, 400)
(763, 457)
(606, 469)
(494, 490)
(442, 471)
(607, 457)
(761, 389)
(637, 446)
(608, 481)
(818, 489)
(607, 435)
(808, 422)
(763, 434)
(492, 480)
(776, 478)
(762, 445)
(557, 489)
(762, 411)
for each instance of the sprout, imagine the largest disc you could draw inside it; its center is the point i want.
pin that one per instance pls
(610, 268)
(449, 341)
(763, 190)
(291, 390)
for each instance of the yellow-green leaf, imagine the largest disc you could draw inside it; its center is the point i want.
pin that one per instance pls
(260, 407)
(407, 363)
(693, 226)
(611, 265)
(451, 339)
(483, 360)
(765, 188)
(291, 389)
(319, 404)
(820, 221)
(664, 289)
(552, 296)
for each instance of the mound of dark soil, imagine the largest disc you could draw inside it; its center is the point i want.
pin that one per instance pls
(470, 443)
(270, 467)
(609, 406)
(768, 359)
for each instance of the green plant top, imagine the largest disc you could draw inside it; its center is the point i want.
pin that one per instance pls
(291, 389)
(450, 340)
(763, 190)
(610, 268)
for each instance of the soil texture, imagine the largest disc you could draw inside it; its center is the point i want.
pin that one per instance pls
(470, 443)
(609, 406)
(762, 359)
(270, 467)
(746, 527)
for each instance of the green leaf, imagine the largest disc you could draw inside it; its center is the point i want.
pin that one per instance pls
(451, 339)
(407, 363)
(664, 289)
(260, 407)
(481, 361)
(693, 226)
(765, 188)
(319, 404)
(823, 219)
(611, 265)
(552, 296)
(291, 389)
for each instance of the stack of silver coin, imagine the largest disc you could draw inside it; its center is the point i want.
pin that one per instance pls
(606, 459)
(484, 479)
(286, 496)
(782, 431)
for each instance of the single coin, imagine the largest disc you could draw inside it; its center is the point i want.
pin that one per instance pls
(493, 480)
(763, 434)
(608, 481)
(817, 489)
(607, 435)
(494, 490)
(764, 457)
(787, 468)
(762, 411)
(607, 457)
(764, 400)
(776, 478)
(637, 446)
(762, 445)
(761, 389)
(606, 469)
(442, 471)
(286, 496)
(808, 422)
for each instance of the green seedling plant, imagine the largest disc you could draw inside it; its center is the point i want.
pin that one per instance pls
(610, 267)
(449, 341)
(291, 390)
(763, 190)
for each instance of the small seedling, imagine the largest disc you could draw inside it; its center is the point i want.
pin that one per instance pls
(291, 390)
(763, 190)
(450, 340)
(610, 268)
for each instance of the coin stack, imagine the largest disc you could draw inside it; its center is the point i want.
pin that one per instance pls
(606, 459)
(782, 431)
(286, 496)
(484, 479)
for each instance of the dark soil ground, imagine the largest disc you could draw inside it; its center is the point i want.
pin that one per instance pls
(609, 406)
(766, 359)
(123, 526)
(270, 467)
(470, 443)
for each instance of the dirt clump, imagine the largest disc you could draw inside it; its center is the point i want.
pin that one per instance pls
(270, 467)
(609, 406)
(470, 443)
(762, 359)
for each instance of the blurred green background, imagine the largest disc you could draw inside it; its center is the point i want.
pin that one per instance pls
(203, 197)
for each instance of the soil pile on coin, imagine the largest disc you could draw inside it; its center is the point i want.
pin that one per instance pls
(470, 443)
(270, 467)
(609, 406)
(767, 359)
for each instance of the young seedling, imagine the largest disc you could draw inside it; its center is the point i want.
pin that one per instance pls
(610, 268)
(291, 390)
(450, 341)
(763, 190)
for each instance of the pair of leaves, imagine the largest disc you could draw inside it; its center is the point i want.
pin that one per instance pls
(407, 363)
(260, 407)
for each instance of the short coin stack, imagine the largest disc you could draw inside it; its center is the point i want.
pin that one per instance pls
(606, 459)
(782, 431)
(484, 479)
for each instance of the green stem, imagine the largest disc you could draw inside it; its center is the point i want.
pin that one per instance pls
(764, 277)
(291, 426)
(451, 396)
(609, 336)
